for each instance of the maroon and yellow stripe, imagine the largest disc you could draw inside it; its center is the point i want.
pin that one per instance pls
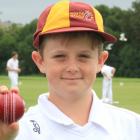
(55, 20)
(72, 17)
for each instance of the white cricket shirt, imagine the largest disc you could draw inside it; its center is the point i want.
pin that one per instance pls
(107, 70)
(13, 64)
(46, 122)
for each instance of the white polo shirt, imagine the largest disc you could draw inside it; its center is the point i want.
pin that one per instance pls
(13, 64)
(107, 70)
(46, 122)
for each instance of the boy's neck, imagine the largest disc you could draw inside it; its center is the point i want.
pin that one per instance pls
(78, 110)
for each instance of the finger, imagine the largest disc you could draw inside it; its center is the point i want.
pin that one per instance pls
(13, 130)
(15, 90)
(14, 126)
(8, 131)
(3, 89)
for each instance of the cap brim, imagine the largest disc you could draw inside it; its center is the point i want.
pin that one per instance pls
(106, 36)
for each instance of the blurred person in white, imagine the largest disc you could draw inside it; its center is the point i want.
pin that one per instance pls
(107, 92)
(13, 69)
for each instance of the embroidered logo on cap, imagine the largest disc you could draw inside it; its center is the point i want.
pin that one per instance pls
(83, 15)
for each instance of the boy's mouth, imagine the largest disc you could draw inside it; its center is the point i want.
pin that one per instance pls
(71, 78)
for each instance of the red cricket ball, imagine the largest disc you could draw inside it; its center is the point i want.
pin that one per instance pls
(11, 107)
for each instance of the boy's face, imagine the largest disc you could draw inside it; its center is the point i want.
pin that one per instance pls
(70, 67)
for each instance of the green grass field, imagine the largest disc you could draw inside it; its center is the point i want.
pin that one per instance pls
(126, 90)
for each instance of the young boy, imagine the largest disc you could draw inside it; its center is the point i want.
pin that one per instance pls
(69, 41)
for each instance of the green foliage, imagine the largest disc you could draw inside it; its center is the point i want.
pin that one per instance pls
(18, 38)
(125, 56)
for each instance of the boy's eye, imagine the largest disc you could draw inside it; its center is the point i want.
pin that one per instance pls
(59, 56)
(84, 56)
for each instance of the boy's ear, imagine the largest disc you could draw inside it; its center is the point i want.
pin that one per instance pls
(38, 60)
(102, 59)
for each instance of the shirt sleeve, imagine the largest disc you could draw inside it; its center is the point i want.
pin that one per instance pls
(8, 63)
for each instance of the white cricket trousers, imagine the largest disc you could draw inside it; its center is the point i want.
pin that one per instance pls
(13, 80)
(107, 95)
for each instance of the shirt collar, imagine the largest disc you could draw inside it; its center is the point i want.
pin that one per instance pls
(52, 112)
(98, 113)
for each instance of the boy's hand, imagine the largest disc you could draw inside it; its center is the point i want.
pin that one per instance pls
(3, 89)
(18, 70)
(8, 131)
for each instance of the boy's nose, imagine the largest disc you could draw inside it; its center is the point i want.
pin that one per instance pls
(72, 66)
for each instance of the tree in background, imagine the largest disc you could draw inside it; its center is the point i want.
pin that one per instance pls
(125, 56)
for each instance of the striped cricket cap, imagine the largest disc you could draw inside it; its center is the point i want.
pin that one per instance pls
(66, 16)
